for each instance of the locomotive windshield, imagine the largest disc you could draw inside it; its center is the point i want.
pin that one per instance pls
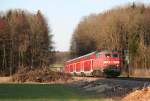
(108, 55)
(115, 55)
(112, 55)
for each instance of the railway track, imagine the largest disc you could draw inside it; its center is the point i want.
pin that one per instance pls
(132, 78)
(116, 78)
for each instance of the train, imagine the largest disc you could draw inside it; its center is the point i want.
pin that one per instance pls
(104, 63)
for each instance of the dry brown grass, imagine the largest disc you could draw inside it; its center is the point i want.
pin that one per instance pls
(5, 79)
(141, 72)
(40, 75)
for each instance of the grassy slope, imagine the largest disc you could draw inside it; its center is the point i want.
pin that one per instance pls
(42, 92)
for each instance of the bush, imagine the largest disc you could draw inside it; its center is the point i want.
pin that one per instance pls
(40, 75)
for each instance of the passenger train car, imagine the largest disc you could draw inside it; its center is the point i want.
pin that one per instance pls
(98, 63)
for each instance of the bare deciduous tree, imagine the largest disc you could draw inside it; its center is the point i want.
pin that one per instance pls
(25, 40)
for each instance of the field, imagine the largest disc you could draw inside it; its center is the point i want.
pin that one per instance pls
(43, 92)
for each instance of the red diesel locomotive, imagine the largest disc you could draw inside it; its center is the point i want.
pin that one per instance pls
(102, 63)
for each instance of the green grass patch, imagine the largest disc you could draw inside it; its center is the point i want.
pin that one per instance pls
(42, 92)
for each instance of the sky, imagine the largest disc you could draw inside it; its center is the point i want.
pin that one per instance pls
(64, 15)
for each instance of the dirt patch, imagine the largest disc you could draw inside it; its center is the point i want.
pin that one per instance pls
(138, 95)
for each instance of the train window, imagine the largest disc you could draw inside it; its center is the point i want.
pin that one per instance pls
(87, 57)
(97, 55)
(100, 55)
(115, 55)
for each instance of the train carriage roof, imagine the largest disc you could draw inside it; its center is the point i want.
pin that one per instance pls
(95, 52)
(81, 57)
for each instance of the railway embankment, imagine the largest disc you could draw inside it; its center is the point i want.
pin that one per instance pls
(113, 88)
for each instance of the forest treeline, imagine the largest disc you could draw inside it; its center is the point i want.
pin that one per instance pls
(25, 41)
(123, 28)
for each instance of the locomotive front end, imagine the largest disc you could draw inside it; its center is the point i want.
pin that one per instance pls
(112, 64)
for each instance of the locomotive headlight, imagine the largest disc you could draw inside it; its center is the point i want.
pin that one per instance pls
(116, 62)
(106, 61)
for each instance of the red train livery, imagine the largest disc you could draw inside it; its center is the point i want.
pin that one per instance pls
(98, 63)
